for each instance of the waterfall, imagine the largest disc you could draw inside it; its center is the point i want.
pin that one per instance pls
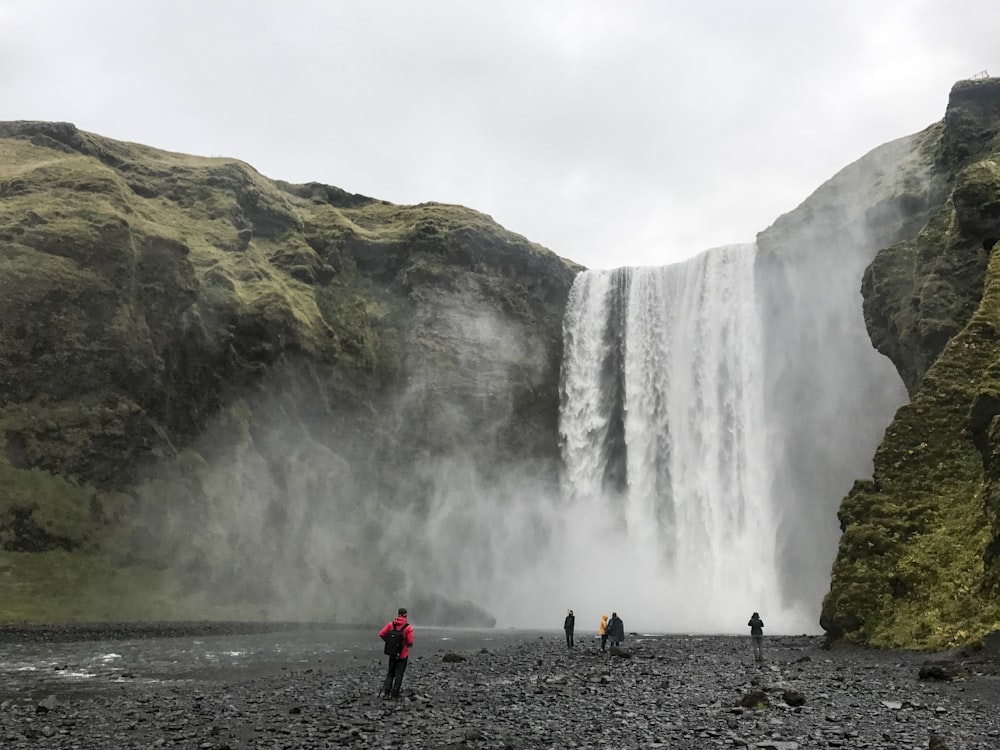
(665, 436)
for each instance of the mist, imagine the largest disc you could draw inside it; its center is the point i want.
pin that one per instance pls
(413, 504)
(712, 414)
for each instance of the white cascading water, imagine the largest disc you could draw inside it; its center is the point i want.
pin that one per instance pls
(665, 433)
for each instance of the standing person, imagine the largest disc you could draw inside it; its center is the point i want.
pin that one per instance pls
(616, 630)
(398, 637)
(603, 630)
(756, 626)
(568, 624)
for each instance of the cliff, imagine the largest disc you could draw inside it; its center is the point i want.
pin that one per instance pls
(225, 396)
(218, 390)
(917, 565)
(828, 394)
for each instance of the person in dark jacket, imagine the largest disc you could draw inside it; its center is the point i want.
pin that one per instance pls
(756, 626)
(568, 624)
(397, 664)
(616, 630)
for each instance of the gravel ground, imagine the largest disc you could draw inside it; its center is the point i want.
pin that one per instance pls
(668, 692)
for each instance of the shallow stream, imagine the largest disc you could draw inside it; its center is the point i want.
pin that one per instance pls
(32, 669)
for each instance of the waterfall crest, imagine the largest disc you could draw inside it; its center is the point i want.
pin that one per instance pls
(665, 435)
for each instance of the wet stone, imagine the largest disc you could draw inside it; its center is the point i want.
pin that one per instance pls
(529, 692)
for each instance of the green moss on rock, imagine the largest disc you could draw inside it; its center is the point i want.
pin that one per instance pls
(917, 565)
(199, 364)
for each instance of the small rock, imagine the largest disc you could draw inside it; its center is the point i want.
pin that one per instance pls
(754, 699)
(941, 671)
(793, 698)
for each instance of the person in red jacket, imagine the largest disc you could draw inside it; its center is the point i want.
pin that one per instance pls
(397, 662)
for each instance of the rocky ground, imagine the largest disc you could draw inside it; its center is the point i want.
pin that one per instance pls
(669, 692)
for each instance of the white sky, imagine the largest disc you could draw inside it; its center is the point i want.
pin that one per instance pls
(614, 132)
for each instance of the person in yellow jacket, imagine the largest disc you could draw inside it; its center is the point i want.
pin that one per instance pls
(604, 632)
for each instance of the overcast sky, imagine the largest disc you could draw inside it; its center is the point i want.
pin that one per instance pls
(614, 132)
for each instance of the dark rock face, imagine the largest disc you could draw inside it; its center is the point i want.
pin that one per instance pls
(179, 334)
(970, 124)
(921, 292)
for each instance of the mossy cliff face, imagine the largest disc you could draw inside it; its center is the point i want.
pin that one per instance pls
(825, 427)
(216, 390)
(918, 564)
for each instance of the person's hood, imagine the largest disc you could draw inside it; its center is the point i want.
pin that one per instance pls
(604, 617)
(399, 622)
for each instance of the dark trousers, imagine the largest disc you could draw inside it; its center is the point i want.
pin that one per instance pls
(604, 641)
(569, 637)
(394, 678)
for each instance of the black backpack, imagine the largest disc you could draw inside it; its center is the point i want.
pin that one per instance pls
(394, 641)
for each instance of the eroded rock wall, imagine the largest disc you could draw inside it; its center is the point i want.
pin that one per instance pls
(917, 562)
